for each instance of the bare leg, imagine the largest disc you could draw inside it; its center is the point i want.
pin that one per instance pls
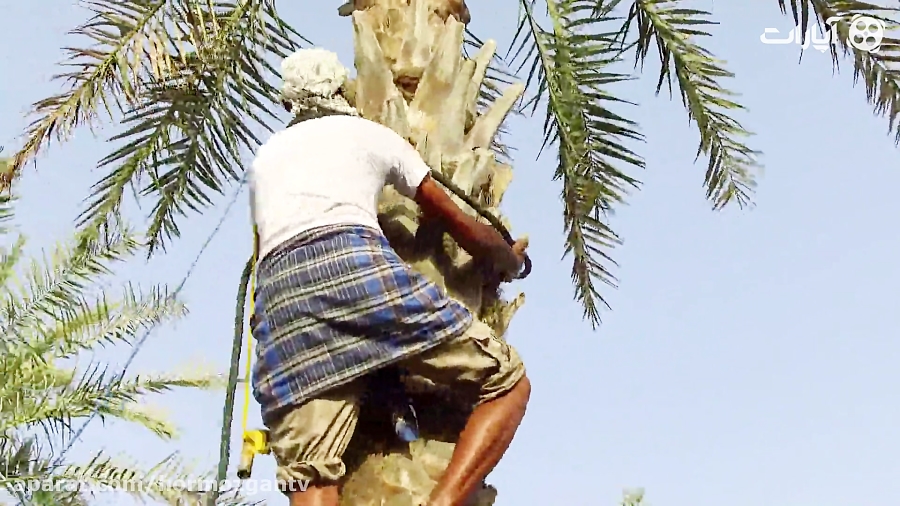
(487, 435)
(316, 496)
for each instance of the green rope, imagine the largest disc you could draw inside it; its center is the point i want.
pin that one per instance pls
(231, 388)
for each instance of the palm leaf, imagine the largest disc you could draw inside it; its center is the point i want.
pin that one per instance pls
(188, 129)
(877, 70)
(633, 498)
(6, 198)
(673, 30)
(52, 312)
(125, 44)
(102, 321)
(191, 80)
(102, 471)
(568, 69)
(54, 288)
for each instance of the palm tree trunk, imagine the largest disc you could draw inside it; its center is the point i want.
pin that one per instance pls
(412, 77)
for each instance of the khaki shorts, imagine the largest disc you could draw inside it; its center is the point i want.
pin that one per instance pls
(309, 440)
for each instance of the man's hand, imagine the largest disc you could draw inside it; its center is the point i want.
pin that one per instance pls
(518, 249)
(508, 264)
(455, 8)
(493, 278)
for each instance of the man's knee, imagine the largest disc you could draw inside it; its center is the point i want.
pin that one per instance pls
(503, 367)
(308, 441)
(477, 361)
(509, 376)
(522, 391)
(316, 496)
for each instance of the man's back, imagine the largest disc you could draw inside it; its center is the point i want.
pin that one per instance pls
(327, 171)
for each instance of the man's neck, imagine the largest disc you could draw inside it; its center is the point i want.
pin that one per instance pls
(308, 115)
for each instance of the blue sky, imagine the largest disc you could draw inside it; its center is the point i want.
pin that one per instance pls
(747, 359)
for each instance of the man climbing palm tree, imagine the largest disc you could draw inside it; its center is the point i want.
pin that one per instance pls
(335, 303)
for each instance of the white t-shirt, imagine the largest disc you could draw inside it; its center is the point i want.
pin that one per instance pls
(328, 171)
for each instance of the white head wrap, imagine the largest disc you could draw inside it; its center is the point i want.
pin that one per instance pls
(312, 78)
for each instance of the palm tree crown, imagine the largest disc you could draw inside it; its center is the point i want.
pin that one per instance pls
(191, 81)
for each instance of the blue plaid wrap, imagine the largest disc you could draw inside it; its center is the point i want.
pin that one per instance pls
(336, 303)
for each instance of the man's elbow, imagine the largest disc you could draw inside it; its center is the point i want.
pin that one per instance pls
(437, 206)
(432, 199)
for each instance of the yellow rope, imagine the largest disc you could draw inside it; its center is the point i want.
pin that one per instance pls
(253, 441)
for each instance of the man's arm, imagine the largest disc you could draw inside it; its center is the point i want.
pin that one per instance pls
(480, 240)
(410, 175)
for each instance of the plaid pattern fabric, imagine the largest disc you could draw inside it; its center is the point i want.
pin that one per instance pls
(335, 304)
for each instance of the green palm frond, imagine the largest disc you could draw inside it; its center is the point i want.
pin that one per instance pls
(192, 81)
(568, 67)
(877, 70)
(125, 45)
(6, 213)
(25, 475)
(50, 314)
(50, 397)
(53, 289)
(104, 472)
(104, 322)
(19, 460)
(6, 199)
(187, 129)
(633, 498)
(674, 30)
